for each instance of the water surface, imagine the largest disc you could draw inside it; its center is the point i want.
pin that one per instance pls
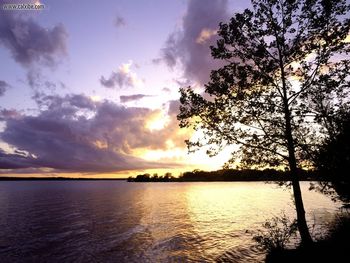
(116, 221)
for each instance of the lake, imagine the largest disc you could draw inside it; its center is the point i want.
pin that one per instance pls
(117, 221)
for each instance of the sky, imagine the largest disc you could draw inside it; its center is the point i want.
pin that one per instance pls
(91, 88)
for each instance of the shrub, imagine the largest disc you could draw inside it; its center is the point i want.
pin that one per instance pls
(277, 233)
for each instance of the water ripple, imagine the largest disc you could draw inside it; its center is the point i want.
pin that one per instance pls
(124, 222)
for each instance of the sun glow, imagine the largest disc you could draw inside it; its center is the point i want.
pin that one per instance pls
(157, 155)
(157, 121)
(95, 98)
(101, 144)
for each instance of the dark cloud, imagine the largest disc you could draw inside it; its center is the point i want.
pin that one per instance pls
(6, 114)
(112, 80)
(49, 85)
(29, 42)
(15, 161)
(124, 77)
(76, 134)
(119, 21)
(190, 46)
(37, 80)
(34, 78)
(133, 97)
(3, 87)
(172, 50)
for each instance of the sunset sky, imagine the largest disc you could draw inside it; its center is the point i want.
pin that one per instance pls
(90, 88)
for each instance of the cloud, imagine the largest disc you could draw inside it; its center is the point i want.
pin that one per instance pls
(133, 97)
(156, 61)
(30, 43)
(6, 114)
(119, 21)
(124, 77)
(15, 161)
(166, 90)
(174, 107)
(73, 133)
(3, 87)
(205, 35)
(34, 78)
(189, 47)
(172, 51)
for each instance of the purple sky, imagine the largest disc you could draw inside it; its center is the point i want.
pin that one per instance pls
(91, 87)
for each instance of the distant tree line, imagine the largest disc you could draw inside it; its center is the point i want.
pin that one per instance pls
(11, 178)
(226, 175)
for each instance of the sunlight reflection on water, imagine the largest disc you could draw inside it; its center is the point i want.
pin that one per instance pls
(143, 222)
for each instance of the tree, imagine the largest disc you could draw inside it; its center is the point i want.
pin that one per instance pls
(284, 61)
(333, 157)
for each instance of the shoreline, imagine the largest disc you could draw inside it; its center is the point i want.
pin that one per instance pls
(8, 178)
(136, 181)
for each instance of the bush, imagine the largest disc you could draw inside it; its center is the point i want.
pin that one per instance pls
(277, 233)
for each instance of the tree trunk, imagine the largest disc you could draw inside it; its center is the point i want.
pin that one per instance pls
(299, 206)
(301, 220)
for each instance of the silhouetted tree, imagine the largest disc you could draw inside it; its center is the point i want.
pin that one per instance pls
(281, 58)
(168, 174)
(333, 157)
(143, 178)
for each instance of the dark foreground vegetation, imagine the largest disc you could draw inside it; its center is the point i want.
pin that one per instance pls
(226, 175)
(333, 248)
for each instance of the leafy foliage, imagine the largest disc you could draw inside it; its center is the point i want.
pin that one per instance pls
(277, 233)
(333, 158)
(286, 70)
